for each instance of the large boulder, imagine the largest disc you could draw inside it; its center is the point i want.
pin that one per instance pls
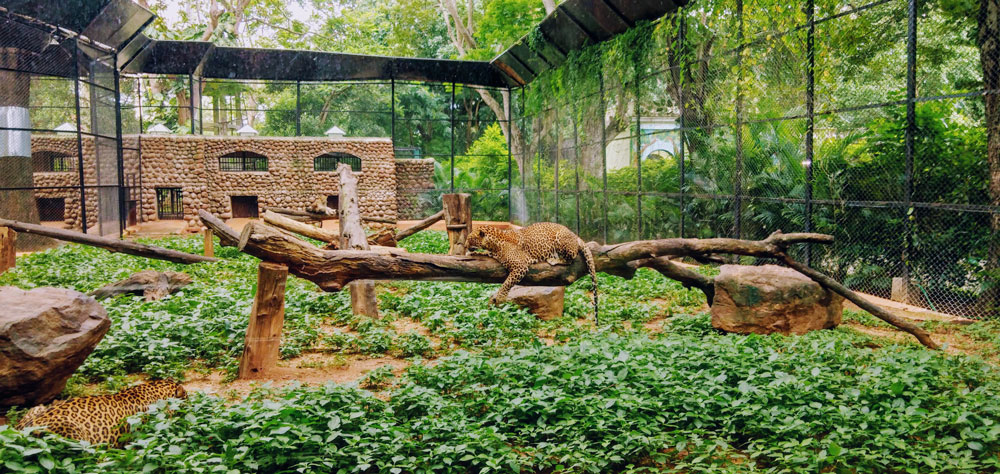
(546, 302)
(768, 299)
(45, 334)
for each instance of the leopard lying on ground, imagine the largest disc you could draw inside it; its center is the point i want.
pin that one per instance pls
(518, 249)
(100, 419)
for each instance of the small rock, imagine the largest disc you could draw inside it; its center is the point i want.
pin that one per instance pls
(45, 334)
(772, 299)
(546, 302)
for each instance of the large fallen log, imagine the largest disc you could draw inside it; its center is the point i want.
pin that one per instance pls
(333, 269)
(111, 245)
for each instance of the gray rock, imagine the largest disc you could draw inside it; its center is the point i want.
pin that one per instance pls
(546, 302)
(45, 334)
(772, 299)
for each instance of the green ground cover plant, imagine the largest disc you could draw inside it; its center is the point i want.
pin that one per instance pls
(674, 397)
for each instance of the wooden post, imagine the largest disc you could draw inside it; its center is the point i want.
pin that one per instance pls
(458, 220)
(260, 351)
(352, 236)
(8, 248)
(209, 243)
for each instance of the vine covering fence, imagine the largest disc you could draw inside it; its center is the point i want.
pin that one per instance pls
(738, 118)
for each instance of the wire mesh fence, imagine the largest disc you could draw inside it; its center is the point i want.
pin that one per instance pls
(735, 118)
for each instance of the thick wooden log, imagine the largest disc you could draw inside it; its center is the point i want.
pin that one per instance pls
(8, 248)
(307, 230)
(458, 220)
(352, 236)
(151, 284)
(333, 269)
(383, 238)
(263, 338)
(112, 245)
(922, 335)
(419, 226)
(209, 243)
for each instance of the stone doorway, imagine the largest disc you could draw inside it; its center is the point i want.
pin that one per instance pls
(244, 206)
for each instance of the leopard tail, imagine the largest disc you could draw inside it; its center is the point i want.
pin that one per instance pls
(592, 268)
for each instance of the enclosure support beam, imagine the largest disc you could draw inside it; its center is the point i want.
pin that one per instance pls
(79, 139)
(510, 173)
(557, 152)
(452, 122)
(263, 338)
(604, 152)
(911, 126)
(810, 120)
(682, 136)
(298, 108)
(120, 155)
(638, 154)
(738, 167)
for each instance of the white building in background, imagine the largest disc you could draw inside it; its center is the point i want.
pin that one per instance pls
(660, 138)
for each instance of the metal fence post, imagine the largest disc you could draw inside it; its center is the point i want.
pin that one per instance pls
(510, 172)
(738, 170)
(452, 137)
(911, 126)
(120, 156)
(810, 120)
(191, 101)
(557, 152)
(576, 165)
(638, 155)
(604, 153)
(392, 112)
(298, 108)
(683, 124)
(79, 136)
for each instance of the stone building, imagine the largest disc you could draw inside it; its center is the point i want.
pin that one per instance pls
(175, 176)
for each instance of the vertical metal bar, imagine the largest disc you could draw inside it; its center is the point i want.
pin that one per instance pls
(510, 172)
(120, 155)
(201, 116)
(604, 153)
(682, 134)
(576, 163)
(298, 108)
(79, 134)
(538, 167)
(191, 101)
(911, 127)
(558, 152)
(738, 171)
(139, 93)
(810, 119)
(524, 152)
(638, 155)
(392, 112)
(453, 137)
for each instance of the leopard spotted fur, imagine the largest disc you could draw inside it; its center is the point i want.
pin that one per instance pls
(518, 249)
(100, 419)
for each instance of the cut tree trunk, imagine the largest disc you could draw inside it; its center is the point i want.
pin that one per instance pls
(352, 236)
(111, 245)
(263, 338)
(334, 269)
(8, 249)
(209, 243)
(458, 220)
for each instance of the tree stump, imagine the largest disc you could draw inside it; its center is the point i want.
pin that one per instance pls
(458, 221)
(8, 248)
(260, 351)
(352, 236)
(209, 244)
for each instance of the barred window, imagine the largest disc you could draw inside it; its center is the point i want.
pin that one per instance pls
(43, 161)
(243, 161)
(329, 161)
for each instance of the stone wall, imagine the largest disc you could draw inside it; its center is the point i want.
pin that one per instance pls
(413, 178)
(192, 164)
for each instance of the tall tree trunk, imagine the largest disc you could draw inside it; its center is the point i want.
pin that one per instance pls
(989, 52)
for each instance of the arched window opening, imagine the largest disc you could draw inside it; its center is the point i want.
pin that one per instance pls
(329, 161)
(243, 161)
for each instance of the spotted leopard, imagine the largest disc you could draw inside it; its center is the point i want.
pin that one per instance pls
(100, 419)
(518, 249)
